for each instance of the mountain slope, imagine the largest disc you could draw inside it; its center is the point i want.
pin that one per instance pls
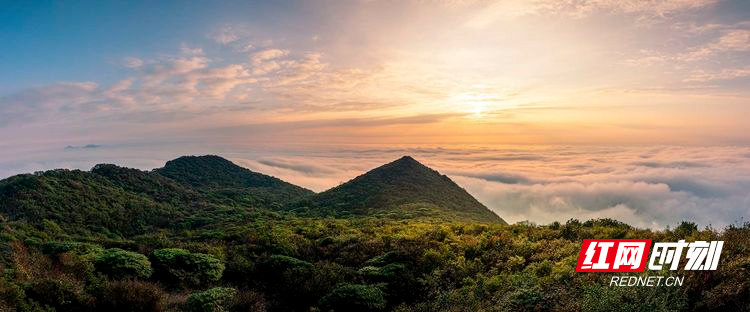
(79, 201)
(122, 202)
(220, 177)
(192, 192)
(155, 186)
(404, 186)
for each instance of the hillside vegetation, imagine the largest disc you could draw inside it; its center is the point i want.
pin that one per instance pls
(365, 264)
(81, 202)
(405, 187)
(117, 202)
(399, 238)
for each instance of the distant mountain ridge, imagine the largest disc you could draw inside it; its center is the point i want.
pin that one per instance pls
(194, 191)
(407, 185)
(188, 192)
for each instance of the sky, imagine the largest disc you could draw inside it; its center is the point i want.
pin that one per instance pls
(630, 109)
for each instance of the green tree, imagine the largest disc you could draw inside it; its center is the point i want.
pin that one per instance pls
(351, 297)
(122, 264)
(185, 269)
(213, 300)
(130, 296)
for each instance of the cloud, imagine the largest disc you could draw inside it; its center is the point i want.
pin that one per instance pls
(724, 74)
(334, 126)
(710, 56)
(38, 102)
(670, 164)
(704, 185)
(172, 67)
(501, 177)
(312, 173)
(185, 49)
(87, 146)
(711, 42)
(271, 80)
(645, 11)
(734, 40)
(225, 35)
(132, 62)
(264, 61)
(509, 157)
(646, 194)
(707, 185)
(218, 82)
(268, 54)
(302, 167)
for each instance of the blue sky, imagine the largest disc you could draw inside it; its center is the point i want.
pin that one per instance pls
(49, 41)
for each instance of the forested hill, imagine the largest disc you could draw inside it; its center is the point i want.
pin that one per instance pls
(81, 202)
(189, 192)
(194, 191)
(402, 187)
(219, 177)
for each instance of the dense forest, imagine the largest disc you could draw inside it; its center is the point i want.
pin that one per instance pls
(202, 234)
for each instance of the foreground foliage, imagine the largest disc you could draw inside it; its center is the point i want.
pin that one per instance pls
(365, 264)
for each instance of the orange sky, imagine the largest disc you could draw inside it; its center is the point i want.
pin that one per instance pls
(415, 72)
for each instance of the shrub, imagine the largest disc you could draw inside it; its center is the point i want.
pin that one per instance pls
(60, 293)
(182, 268)
(213, 300)
(685, 229)
(354, 298)
(526, 299)
(130, 296)
(287, 277)
(121, 264)
(237, 267)
(281, 263)
(11, 295)
(248, 301)
(386, 273)
(80, 249)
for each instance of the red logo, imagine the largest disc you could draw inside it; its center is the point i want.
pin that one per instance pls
(613, 255)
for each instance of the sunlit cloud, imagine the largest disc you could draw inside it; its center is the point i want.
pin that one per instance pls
(645, 12)
(735, 40)
(496, 80)
(726, 74)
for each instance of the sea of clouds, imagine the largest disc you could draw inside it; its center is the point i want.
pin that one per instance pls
(649, 187)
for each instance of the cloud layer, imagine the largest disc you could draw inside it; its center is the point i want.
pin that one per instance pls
(644, 186)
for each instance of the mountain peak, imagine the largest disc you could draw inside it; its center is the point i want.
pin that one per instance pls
(211, 172)
(405, 163)
(399, 184)
(202, 159)
(406, 158)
